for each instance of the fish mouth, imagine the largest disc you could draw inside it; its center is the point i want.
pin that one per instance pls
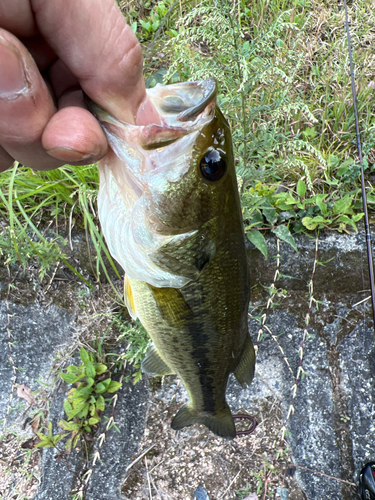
(180, 107)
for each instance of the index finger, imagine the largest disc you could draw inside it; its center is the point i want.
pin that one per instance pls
(100, 49)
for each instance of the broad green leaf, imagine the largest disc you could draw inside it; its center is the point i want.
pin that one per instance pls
(312, 223)
(58, 438)
(78, 377)
(114, 386)
(134, 27)
(270, 214)
(68, 426)
(106, 382)
(301, 188)
(68, 377)
(255, 220)
(332, 182)
(319, 201)
(100, 368)
(85, 411)
(89, 382)
(68, 445)
(75, 400)
(74, 369)
(257, 239)
(100, 388)
(357, 217)
(100, 403)
(75, 440)
(290, 200)
(137, 376)
(309, 224)
(84, 392)
(90, 370)
(94, 420)
(45, 443)
(342, 205)
(67, 407)
(347, 220)
(283, 233)
(145, 25)
(76, 410)
(84, 356)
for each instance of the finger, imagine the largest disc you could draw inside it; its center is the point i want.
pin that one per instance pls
(73, 134)
(17, 17)
(97, 45)
(6, 161)
(42, 53)
(26, 106)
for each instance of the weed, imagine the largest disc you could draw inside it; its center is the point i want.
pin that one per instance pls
(241, 494)
(84, 403)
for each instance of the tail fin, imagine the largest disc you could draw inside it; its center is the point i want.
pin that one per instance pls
(220, 423)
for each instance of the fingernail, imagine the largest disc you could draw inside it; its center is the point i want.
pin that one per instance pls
(67, 154)
(13, 75)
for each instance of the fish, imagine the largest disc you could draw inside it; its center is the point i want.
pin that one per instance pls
(170, 212)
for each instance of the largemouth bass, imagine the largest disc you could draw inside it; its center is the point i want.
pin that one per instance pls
(170, 212)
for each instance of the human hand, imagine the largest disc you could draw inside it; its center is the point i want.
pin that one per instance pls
(51, 50)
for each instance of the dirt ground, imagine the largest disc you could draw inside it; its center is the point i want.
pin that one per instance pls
(171, 465)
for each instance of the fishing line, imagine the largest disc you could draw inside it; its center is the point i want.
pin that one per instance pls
(363, 189)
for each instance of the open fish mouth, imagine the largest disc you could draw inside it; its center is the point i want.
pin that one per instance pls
(176, 104)
(148, 164)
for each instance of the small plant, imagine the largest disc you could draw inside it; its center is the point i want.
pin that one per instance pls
(293, 211)
(241, 494)
(154, 20)
(138, 342)
(84, 403)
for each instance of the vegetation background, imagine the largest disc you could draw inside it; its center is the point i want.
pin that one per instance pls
(284, 85)
(283, 72)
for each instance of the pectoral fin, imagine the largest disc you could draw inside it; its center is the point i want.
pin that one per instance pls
(189, 253)
(244, 372)
(153, 365)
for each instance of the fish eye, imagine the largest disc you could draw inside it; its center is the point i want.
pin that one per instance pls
(213, 166)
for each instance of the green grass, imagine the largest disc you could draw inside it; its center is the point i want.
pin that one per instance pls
(283, 73)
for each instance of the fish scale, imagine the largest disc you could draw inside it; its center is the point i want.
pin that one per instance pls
(179, 236)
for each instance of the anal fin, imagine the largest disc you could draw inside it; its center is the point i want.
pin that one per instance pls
(244, 372)
(153, 365)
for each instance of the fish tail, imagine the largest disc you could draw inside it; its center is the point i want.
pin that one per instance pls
(220, 423)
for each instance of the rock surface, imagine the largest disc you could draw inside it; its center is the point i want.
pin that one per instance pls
(329, 433)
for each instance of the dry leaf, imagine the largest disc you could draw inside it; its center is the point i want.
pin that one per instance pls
(29, 444)
(24, 392)
(35, 424)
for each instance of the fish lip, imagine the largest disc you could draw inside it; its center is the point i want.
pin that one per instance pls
(210, 89)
